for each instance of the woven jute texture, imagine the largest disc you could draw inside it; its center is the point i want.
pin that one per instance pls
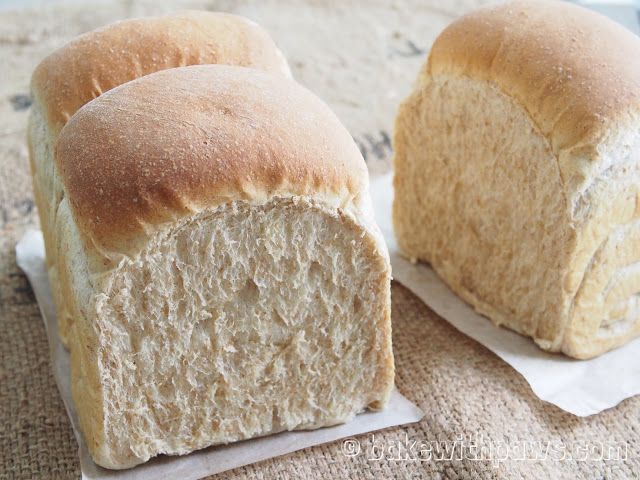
(360, 56)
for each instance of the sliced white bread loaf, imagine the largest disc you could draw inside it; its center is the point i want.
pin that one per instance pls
(224, 273)
(517, 172)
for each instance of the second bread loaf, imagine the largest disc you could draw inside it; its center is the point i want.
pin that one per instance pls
(517, 172)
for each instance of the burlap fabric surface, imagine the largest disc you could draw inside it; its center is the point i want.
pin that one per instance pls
(362, 58)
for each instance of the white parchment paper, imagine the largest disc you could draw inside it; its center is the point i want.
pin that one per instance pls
(31, 259)
(581, 387)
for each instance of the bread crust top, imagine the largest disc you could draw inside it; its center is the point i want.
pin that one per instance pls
(181, 140)
(573, 70)
(102, 59)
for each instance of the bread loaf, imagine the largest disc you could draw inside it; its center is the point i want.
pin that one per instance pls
(223, 270)
(517, 172)
(105, 58)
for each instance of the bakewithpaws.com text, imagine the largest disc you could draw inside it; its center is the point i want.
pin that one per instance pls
(480, 448)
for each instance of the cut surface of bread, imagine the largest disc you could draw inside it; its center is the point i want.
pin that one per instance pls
(237, 322)
(516, 172)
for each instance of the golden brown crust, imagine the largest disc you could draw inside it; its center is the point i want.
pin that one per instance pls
(572, 69)
(102, 59)
(181, 140)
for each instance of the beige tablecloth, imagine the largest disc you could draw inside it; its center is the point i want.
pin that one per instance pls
(360, 56)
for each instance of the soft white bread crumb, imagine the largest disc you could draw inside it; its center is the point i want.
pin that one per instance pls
(234, 323)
